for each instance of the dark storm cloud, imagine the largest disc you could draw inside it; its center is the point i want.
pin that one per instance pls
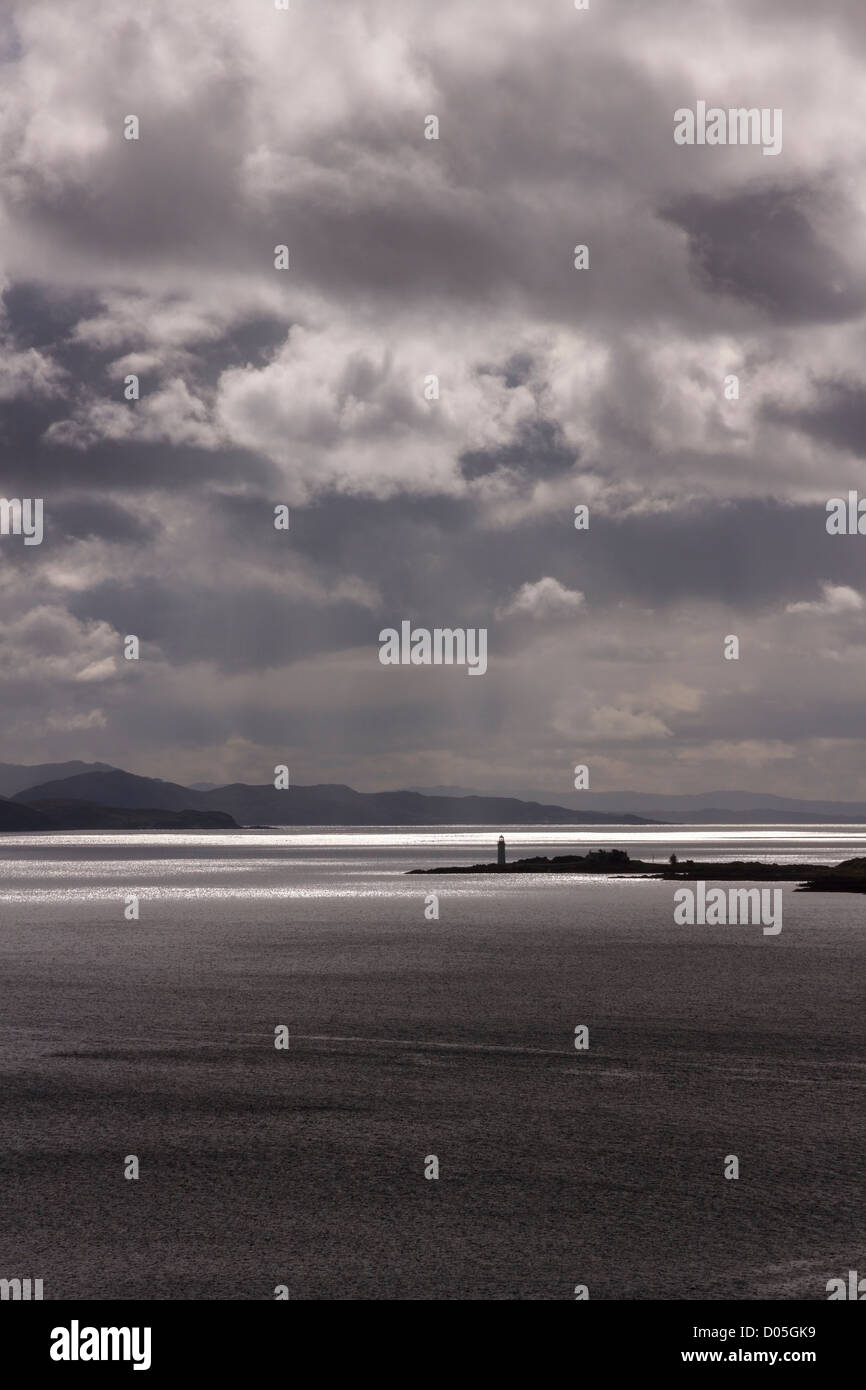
(31, 466)
(750, 553)
(10, 41)
(42, 319)
(839, 418)
(253, 342)
(539, 451)
(434, 561)
(798, 719)
(747, 554)
(89, 517)
(760, 247)
(255, 629)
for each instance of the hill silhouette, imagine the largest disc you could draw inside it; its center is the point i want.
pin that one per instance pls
(325, 804)
(17, 777)
(55, 814)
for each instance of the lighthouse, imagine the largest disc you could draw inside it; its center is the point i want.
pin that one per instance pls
(500, 852)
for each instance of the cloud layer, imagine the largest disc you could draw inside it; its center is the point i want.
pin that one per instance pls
(431, 387)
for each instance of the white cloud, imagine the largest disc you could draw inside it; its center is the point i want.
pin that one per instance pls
(98, 670)
(838, 598)
(546, 598)
(76, 723)
(625, 725)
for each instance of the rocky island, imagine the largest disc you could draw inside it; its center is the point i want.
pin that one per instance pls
(847, 877)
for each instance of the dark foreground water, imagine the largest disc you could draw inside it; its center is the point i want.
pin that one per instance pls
(413, 1037)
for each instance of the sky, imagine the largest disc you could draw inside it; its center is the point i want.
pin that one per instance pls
(412, 257)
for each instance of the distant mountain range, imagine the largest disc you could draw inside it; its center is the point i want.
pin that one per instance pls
(77, 795)
(704, 808)
(724, 807)
(317, 805)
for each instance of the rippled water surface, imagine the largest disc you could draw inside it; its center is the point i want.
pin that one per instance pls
(411, 1037)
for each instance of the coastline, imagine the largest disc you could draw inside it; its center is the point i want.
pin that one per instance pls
(849, 876)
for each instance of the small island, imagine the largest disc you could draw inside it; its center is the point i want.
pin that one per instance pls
(847, 877)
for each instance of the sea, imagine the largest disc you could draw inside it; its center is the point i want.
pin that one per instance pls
(427, 1127)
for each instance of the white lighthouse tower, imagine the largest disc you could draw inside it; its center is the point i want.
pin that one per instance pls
(500, 852)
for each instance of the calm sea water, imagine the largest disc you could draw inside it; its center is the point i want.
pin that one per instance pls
(413, 1037)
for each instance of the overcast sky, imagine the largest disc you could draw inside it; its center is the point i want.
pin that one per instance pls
(452, 257)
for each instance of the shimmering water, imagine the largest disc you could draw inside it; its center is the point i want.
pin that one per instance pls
(412, 1037)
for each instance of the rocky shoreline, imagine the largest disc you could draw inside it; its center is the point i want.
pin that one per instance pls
(847, 877)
